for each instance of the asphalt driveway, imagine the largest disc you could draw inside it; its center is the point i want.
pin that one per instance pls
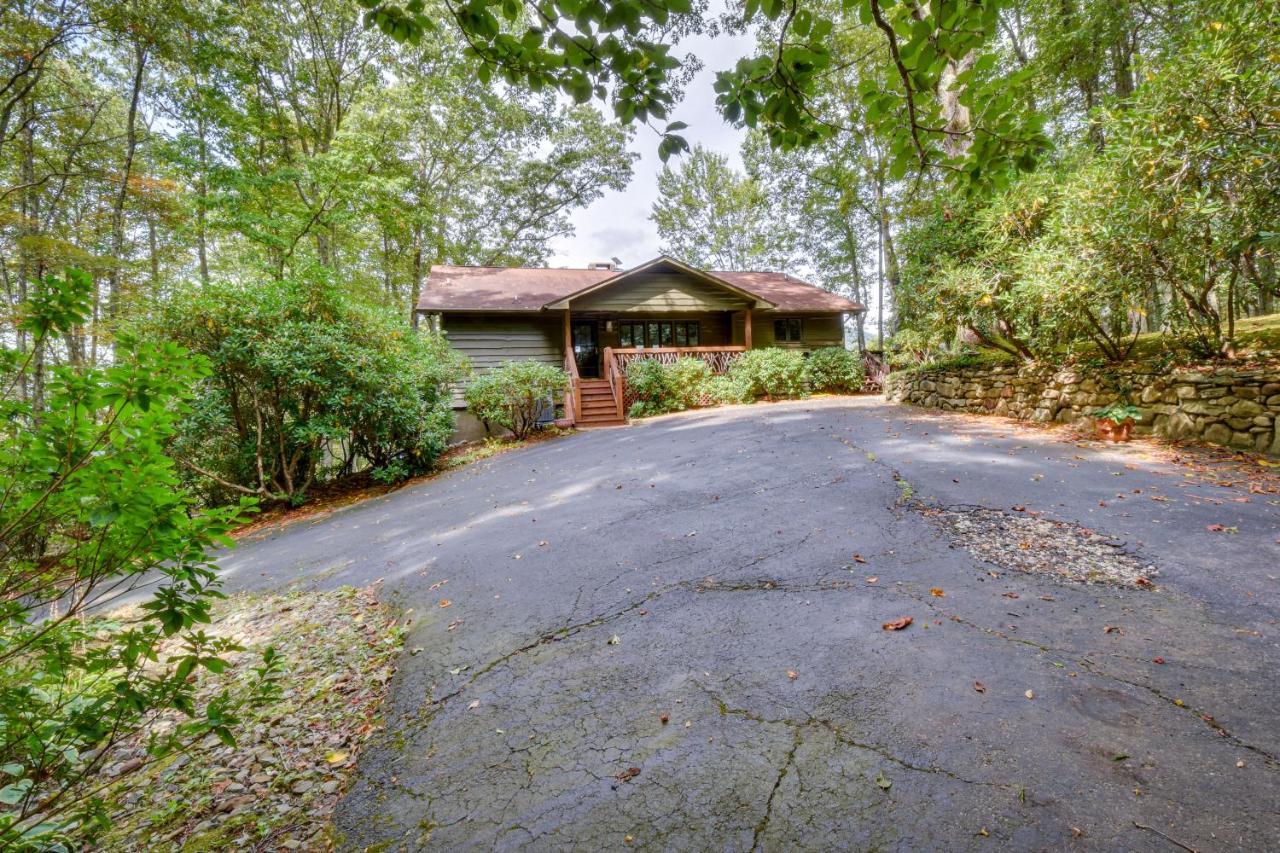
(669, 636)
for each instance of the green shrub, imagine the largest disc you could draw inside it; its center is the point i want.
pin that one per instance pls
(91, 505)
(770, 373)
(512, 394)
(307, 382)
(653, 387)
(834, 369)
(727, 390)
(688, 379)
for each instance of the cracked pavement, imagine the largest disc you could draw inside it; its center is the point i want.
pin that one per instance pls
(718, 548)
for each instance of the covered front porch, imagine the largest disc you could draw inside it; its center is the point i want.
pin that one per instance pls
(598, 346)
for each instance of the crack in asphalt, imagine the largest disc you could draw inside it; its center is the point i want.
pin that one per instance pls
(790, 758)
(1209, 720)
(842, 737)
(1091, 667)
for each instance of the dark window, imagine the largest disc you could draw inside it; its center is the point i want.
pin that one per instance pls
(787, 330)
(630, 335)
(658, 333)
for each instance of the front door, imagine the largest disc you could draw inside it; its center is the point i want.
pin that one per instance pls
(586, 350)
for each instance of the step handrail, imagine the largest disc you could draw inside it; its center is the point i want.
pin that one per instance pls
(617, 380)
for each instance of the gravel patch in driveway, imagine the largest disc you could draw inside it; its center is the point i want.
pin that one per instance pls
(1044, 546)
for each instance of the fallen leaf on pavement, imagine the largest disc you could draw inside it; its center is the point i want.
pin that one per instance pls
(980, 687)
(474, 704)
(615, 640)
(885, 784)
(792, 674)
(897, 624)
(628, 774)
(1113, 629)
(1010, 594)
(444, 602)
(1157, 660)
(1030, 694)
(872, 579)
(857, 558)
(936, 592)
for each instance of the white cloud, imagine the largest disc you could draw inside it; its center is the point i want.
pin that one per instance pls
(618, 224)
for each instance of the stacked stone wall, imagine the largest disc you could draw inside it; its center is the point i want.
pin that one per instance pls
(1233, 408)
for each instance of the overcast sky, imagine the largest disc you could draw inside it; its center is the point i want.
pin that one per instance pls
(618, 224)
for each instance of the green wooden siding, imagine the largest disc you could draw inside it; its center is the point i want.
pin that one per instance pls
(817, 331)
(489, 339)
(660, 292)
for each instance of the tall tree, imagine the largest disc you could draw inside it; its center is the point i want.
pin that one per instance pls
(710, 215)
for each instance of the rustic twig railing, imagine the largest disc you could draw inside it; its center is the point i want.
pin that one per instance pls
(716, 358)
(876, 369)
(616, 361)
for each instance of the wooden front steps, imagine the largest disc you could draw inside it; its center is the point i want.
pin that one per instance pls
(598, 406)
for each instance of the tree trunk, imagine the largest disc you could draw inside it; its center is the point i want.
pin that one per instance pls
(117, 211)
(955, 114)
(202, 196)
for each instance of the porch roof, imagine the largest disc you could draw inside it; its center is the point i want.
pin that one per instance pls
(464, 288)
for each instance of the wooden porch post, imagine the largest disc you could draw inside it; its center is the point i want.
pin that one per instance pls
(568, 335)
(746, 328)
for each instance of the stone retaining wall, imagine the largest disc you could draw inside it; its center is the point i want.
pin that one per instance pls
(1235, 408)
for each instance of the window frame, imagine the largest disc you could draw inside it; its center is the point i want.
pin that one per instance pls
(787, 324)
(651, 333)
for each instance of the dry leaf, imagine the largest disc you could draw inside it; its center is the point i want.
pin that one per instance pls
(857, 558)
(628, 774)
(936, 592)
(1113, 629)
(444, 602)
(665, 719)
(792, 674)
(980, 687)
(474, 704)
(1009, 594)
(1030, 694)
(872, 579)
(1157, 660)
(897, 624)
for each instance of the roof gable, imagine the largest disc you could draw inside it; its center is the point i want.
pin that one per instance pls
(664, 264)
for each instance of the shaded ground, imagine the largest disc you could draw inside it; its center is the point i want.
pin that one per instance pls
(667, 636)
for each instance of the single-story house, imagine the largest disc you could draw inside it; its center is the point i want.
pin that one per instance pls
(593, 321)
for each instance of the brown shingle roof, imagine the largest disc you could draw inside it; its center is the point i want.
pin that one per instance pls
(788, 293)
(452, 288)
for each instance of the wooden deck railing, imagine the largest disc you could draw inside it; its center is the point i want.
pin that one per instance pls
(616, 361)
(717, 358)
(616, 377)
(572, 394)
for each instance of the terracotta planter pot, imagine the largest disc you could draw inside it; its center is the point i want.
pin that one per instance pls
(1112, 431)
